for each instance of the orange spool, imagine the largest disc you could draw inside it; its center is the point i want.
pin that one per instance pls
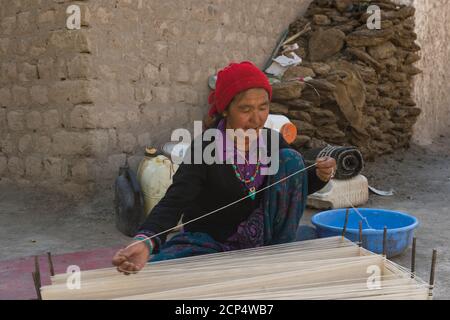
(289, 132)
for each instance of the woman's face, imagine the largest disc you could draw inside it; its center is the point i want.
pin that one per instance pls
(249, 110)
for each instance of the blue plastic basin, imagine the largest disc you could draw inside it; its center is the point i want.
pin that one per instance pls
(400, 228)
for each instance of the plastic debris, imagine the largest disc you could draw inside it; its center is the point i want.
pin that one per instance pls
(281, 63)
(382, 193)
(212, 82)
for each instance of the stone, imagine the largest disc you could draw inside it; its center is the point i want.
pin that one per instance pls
(33, 167)
(402, 14)
(4, 45)
(80, 171)
(398, 76)
(51, 119)
(330, 133)
(382, 147)
(321, 69)
(368, 74)
(16, 167)
(3, 165)
(386, 125)
(317, 143)
(301, 141)
(24, 21)
(61, 40)
(15, 120)
(383, 51)
(29, 72)
(324, 44)
(347, 27)
(314, 98)
(278, 108)
(8, 144)
(70, 93)
(45, 68)
(322, 85)
(322, 113)
(411, 70)
(412, 58)
(321, 117)
(33, 120)
(99, 143)
(182, 75)
(80, 67)
(387, 89)
(70, 143)
(365, 57)
(8, 24)
(299, 104)
(83, 117)
(371, 97)
(374, 131)
(295, 72)
(287, 90)
(5, 97)
(304, 128)
(3, 122)
(321, 20)
(300, 115)
(10, 71)
(387, 103)
(46, 17)
(390, 63)
(25, 144)
(55, 168)
(408, 102)
(39, 95)
(406, 112)
(20, 96)
(301, 52)
(369, 38)
(127, 142)
(343, 5)
(161, 94)
(43, 144)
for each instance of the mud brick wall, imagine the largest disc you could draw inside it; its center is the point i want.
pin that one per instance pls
(41, 81)
(75, 103)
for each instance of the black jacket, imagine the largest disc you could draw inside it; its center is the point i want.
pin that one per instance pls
(201, 188)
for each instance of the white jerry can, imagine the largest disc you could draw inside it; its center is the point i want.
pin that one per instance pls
(155, 174)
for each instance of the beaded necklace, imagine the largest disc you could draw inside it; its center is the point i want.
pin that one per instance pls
(246, 182)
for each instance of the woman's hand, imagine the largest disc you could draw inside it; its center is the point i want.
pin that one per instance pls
(325, 168)
(131, 259)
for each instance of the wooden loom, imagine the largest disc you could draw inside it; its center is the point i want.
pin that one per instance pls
(329, 268)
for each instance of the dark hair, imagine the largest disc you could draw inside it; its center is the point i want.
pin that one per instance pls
(212, 122)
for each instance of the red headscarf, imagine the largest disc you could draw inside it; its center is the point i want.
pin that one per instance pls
(233, 79)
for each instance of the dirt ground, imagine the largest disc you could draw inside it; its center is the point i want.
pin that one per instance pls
(34, 222)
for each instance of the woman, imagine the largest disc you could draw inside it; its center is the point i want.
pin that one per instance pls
(240, 101)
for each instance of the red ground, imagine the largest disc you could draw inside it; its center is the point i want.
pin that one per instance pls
(16, 279)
